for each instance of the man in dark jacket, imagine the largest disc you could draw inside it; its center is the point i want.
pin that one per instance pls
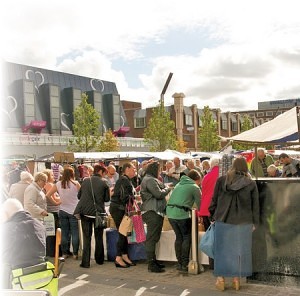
(93, 192)
(23, 239)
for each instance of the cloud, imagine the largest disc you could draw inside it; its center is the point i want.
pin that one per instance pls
(250, 53)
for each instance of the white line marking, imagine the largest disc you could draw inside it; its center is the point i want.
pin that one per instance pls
(153, 287)
(120, 286)
(83, 276)
(185, 292)
(71, 287)
(140, 291)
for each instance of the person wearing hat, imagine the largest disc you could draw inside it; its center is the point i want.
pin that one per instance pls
(17, 190)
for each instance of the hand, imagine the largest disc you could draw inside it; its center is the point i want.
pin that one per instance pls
(44, 213)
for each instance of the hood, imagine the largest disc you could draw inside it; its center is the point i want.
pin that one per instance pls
(186, 180)
(238, 183)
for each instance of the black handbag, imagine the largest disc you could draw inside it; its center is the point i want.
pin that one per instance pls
(100, 220)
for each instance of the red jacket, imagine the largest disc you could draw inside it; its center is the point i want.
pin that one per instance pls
(208, 185)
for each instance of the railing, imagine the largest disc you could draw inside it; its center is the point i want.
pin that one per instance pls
(46, 139)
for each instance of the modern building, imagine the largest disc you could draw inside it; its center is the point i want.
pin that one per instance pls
(38, 104)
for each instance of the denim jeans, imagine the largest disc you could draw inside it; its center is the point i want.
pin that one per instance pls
(183, 233)
(69, 230)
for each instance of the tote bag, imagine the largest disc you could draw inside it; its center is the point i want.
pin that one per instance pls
(207, 241)
(138, 235)
(125, 227)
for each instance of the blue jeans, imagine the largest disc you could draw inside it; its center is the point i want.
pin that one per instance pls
(69, 231)
(183, 233)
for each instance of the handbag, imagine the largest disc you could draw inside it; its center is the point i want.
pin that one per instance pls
(125, 227)
(100, 218)
(137, 223)
(207, 241)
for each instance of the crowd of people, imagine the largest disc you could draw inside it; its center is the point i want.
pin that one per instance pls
(230, 202)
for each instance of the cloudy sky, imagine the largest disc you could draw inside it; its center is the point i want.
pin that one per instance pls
(228, 54)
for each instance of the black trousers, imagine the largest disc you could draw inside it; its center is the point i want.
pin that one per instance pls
(154, 227)
(183, 233)
(87, 225)
(122, 243)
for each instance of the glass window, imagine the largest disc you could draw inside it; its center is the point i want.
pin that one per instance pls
(140, 122)
(269, 113)
(224, 124)
(54, 90)
(200, 123)
(28, 87)
(54, 101)
(234, 126)
(260, 114)
(29, 110)
(55, 112)
(188, 119)
(28, 98)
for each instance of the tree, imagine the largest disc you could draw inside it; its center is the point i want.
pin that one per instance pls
(208, 133)
(247, 124)
(108, 142)
(160, 131)
(85, 127)
(181, 145)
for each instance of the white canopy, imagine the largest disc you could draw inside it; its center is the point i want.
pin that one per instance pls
(281, 129)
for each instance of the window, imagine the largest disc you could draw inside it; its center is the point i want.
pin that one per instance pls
(140, 122)
(269, 113)
(188, 119)
(224, 124)
(234, 126)
(260, 114)
(200, 123)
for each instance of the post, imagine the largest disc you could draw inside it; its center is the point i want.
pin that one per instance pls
(193, 267)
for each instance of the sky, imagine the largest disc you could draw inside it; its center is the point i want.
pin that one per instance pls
(223, 54)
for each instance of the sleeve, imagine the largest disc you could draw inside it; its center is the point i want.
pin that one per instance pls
(197, 197)
(30, 202)
(156, 191)
(214, 201)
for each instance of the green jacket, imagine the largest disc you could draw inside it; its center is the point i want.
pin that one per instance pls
(184, 194)
(260, 173)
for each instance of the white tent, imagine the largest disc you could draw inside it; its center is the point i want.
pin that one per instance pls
(281, 129)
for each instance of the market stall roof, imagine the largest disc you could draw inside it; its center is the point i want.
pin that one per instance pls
(281, 129)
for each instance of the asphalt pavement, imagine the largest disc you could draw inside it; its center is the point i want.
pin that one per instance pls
(106, 279)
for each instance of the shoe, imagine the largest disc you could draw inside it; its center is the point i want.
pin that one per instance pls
(153, 267)
(184, 269)
(178, 266)
(160, 265)
(129, 263)
(100, 263)
(75, 257)
(236, 284)
(220, 285)
(65, 256)
(84, 266)
(121, 266)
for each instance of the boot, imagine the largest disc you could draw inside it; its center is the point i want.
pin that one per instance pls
(153, 267)
(160, 265)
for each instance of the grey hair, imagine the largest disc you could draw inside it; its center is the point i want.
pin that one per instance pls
(214, 161)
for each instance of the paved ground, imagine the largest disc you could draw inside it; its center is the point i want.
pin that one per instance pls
(109, 280)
